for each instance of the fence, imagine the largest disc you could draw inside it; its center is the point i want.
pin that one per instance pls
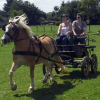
(45, 29)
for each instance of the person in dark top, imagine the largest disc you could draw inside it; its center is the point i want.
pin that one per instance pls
(79, 29)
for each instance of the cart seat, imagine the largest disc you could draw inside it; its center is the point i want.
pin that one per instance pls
(66, 51)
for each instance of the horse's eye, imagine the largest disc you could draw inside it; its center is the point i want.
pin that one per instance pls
(16, 17)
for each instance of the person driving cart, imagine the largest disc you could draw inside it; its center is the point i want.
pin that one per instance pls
(64, 31)
(79, 28)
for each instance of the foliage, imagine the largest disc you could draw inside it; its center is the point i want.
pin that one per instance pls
(56, 8)
(89, 8)
(15, 13)
(7, 5)
(18, 7)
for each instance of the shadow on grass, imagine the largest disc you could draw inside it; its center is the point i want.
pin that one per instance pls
(50, 92)
(77, 74)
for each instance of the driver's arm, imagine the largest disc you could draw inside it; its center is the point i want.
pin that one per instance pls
(84, 32)
(73, 29)
(59, 30)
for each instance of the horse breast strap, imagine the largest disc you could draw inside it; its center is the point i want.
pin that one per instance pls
(30, 52)
(33, 53)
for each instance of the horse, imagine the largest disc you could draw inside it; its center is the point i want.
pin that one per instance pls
(30, 50)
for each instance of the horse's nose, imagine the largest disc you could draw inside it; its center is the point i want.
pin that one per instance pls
(3, 40)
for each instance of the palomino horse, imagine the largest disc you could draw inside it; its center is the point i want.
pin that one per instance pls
(28, 51)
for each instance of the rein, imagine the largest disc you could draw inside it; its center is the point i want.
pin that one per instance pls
(20, 39)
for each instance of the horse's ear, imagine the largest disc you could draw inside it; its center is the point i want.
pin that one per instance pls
(10, 19)
(17, 21)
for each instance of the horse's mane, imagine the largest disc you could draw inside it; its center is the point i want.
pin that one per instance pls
(22, 21)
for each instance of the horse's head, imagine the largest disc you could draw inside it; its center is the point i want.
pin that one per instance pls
(13, 27)
(11, 31)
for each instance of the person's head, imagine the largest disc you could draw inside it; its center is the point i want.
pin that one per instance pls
(79, 16)
(64, 17)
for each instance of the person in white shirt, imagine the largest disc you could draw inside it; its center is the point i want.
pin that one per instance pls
(64, 31)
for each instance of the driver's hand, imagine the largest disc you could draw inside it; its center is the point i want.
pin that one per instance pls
(75, 34)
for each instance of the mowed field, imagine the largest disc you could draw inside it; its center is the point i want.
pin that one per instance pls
(70, 86)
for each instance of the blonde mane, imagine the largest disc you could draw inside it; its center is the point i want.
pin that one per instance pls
(22, 22)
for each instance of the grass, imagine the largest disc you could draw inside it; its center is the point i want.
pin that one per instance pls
(67, 86)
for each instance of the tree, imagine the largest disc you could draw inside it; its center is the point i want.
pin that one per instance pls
(16, 13)
(7, 5)
(56, 8)
(18, 7)
(90, 9)
(63, 3)
(70, 8)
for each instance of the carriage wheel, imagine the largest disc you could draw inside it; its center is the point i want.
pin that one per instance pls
(57, 69)
(85, 67)
(94, 63)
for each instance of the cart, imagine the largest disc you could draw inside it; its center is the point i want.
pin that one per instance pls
(78, 56)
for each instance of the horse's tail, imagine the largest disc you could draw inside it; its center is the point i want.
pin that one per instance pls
(59, 63)
(54, 55)
(57, 58)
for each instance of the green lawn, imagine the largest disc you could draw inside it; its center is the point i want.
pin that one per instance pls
(67, 86)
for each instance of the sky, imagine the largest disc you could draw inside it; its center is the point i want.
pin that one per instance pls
(44, 5)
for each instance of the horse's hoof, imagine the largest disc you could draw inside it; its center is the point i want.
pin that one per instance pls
(14, 87)
(30, 90)
(44, 81)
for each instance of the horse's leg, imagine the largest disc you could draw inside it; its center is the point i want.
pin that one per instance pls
(31, 88)
(49, 71)
(51, 76)
(12, 83)
(46, 75)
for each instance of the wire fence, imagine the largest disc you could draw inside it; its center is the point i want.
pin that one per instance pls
(45, 29)
(54, 28)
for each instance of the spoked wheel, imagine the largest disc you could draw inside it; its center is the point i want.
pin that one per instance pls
(57, 69)
(94, 63)
(85, 67)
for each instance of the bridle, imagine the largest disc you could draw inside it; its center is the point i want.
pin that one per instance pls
(15, 35)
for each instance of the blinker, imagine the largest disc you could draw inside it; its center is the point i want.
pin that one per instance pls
(3, 28)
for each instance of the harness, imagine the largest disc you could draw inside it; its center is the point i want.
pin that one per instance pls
(34, 53)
